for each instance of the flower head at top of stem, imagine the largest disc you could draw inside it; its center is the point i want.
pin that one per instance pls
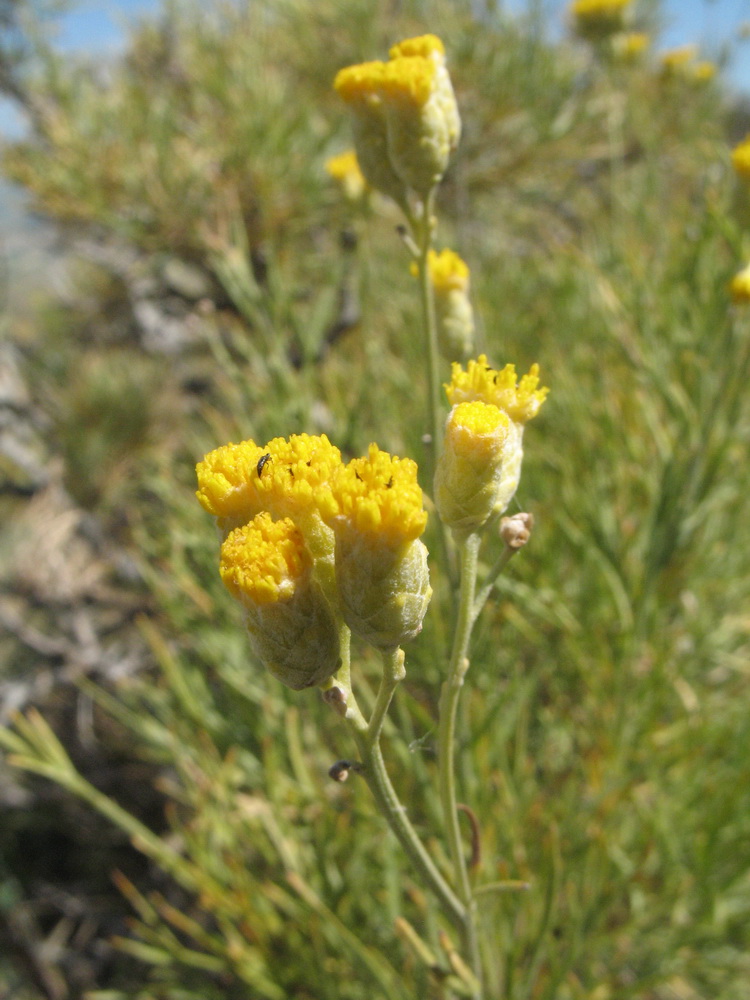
(594, 19)
(521, 400)
(266, 566)
(285, 477)
(405, 115)
(375, 508)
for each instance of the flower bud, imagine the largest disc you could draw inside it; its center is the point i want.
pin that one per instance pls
(266, 566)
(375, 509)
(479, 467)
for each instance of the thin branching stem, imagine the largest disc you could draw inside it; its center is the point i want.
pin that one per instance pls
(459, 663)
(373, 770)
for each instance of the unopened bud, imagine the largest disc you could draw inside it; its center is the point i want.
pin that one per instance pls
(515, 531)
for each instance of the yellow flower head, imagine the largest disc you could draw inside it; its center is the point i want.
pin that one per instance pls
(629, 45)
(375, 510)
(431, 47)
(359, 87)
(448, 272)
(405, 116)
(675, 61)
(741, 158)
(264, 561)
(424, 45)
(479, 467)
(379, 498)
(477, 428)
(227, 481)
(359, 83)
(286, 477)
(739, 286)
(408, 80)
(598, 17)
(703, 72)
(521, 401)
(292, 626)
(598, 8)
(345, 169)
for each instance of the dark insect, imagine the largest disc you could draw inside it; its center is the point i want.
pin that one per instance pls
(261, 463)
(389, 483)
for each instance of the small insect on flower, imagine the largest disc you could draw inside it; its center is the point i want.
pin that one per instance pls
(262, 463)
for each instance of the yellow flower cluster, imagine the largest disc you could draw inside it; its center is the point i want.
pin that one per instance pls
(293, 515)
(406, 120)
(480, 466)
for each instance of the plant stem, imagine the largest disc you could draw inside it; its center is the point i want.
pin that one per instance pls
(373, 770)
(430, 327)
(502, 561)
(459, 664)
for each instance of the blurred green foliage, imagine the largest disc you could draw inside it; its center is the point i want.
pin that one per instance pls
(607, 711)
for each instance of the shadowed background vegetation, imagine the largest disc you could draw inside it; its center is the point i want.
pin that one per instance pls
(216, 286)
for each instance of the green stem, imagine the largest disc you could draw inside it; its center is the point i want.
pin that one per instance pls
(393, 672)
(502, 561)
(430, 327)
(373, 770)
(449, 698)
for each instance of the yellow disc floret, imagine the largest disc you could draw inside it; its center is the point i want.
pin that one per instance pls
(423, 45)
(380, 498)
(521, 401)
(264, 561)
(741, 158)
